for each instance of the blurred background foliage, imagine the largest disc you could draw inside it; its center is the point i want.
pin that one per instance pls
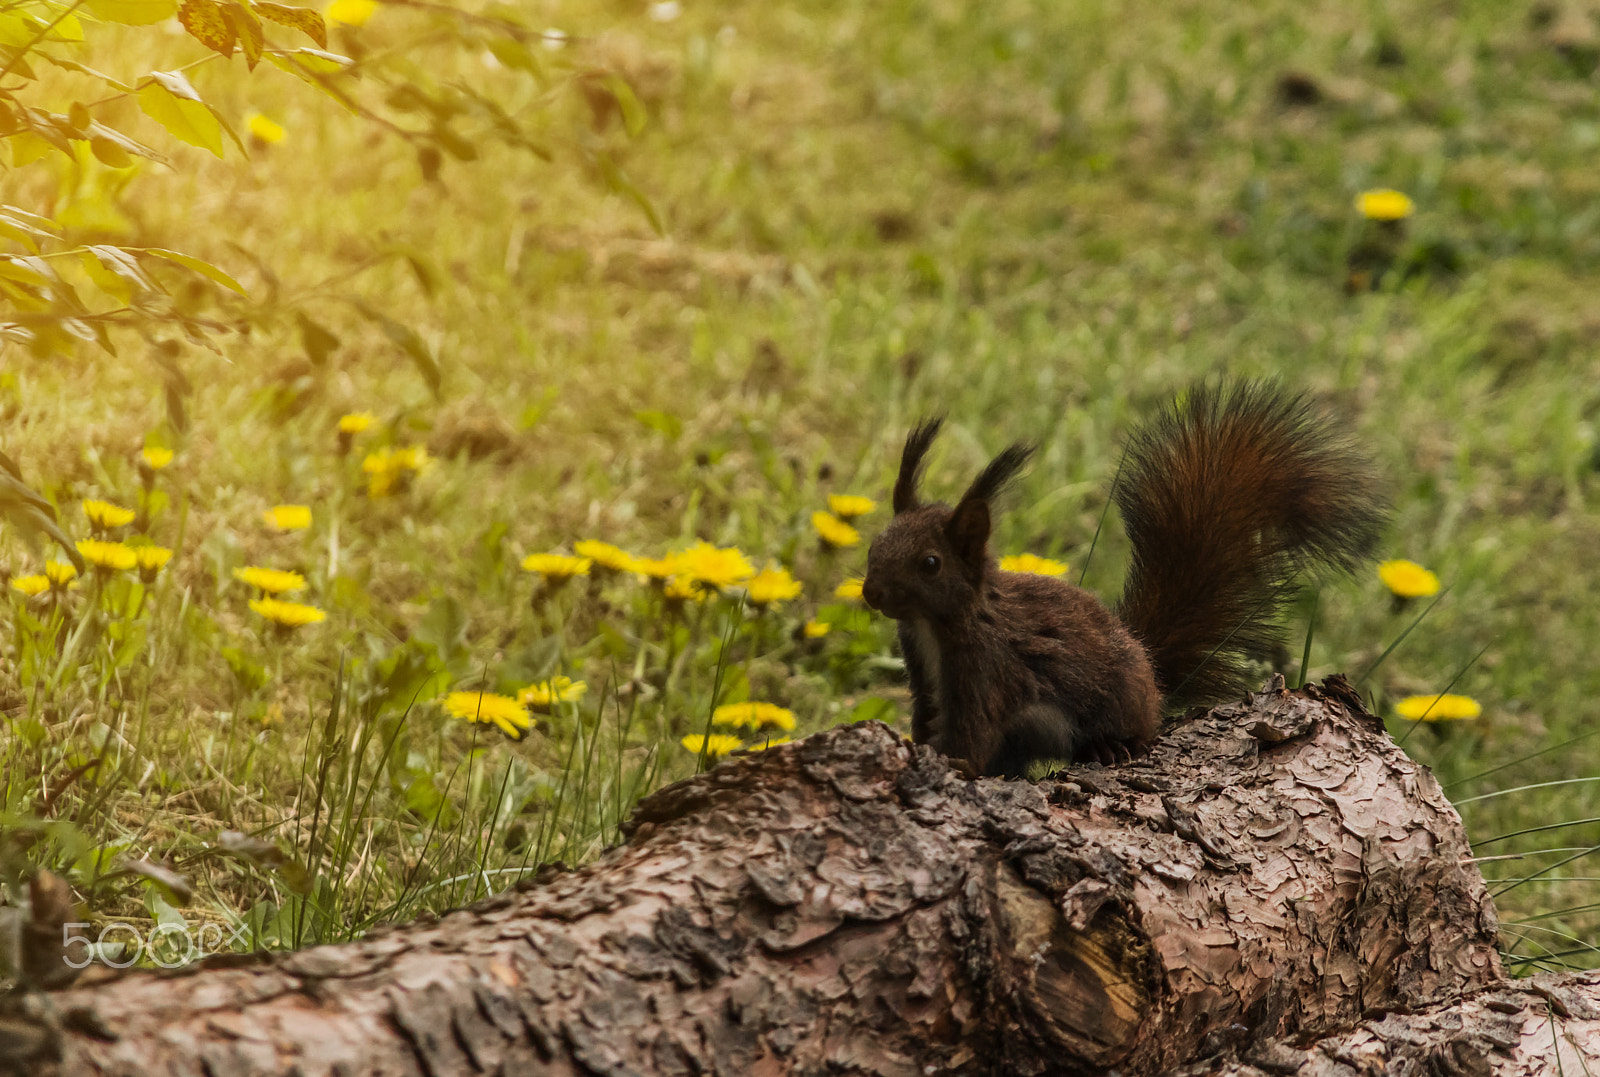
(659, 273)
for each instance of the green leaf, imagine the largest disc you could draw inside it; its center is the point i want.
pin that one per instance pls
(517, 56)
(318, 341)
(661, 422)
(410, 343)
(251, 675)
(173, 103)
(132, 12)
(873, 709)
(633, 113)
(171, 884)
(619, 182)
(189, 261)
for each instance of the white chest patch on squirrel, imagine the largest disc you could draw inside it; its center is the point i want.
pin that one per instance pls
(928, 648)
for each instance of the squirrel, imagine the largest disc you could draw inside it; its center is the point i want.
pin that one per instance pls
(1228, 495)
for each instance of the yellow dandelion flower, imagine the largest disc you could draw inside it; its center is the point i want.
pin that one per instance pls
(1407, 579)
(770, 742)
(59, 573)
(503, 712)
(287, 614)
(1440, 708)
(356, 421)
(816, 629)
(107, 556)
(270, 581)
(155, 457)
(834, 531)
(351, 12)
(753, 715)
(1027, 562)
(410, 458)
(104, 516)
(544, 694)
(716, 744)
(381, 473)
(681, 590)
(657, 568)
(288, 517)
(849, 589)
(556, 566)
(849, 506)
(1383, 204)
(713, 567)
(151, 559)
(771, 585)
(606, 555)
(265, 129)
(31, 585)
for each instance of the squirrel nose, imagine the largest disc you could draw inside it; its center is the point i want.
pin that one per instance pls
(871, 593)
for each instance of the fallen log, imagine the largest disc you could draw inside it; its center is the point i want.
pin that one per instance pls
(1273, 870)
(1544, 1024)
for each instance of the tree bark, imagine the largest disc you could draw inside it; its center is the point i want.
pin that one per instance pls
(1545, 1024)
(1272, 871)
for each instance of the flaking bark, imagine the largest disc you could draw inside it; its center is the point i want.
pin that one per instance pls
(1543, 1025)
(1272, 871)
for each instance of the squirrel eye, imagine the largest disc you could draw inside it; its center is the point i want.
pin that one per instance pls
(929, 565)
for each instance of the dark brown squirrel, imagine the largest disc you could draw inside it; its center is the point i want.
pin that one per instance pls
(1228, 496)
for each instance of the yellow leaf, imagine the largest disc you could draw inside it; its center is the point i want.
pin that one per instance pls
(26, 148)
(104, 279)
(304, 19)
(183, 114)
(251, 38)
(19, 269)
(109, 153)
(132, 12)
(13, 31)
(315, 61)
(67, 29)
(204, 21)
(205, 269)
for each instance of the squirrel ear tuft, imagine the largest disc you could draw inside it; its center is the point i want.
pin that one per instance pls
(1001, 470)
(968, 530)
(917, 442)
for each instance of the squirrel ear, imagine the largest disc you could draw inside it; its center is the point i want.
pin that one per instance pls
(968, 530)
(1001, 470)
(917, 442)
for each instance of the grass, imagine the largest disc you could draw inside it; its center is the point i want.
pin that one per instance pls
(1043, 220)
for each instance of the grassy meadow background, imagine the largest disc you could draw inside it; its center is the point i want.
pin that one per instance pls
(1043, 219)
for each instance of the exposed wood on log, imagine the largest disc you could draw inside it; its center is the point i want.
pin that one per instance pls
(848, 904)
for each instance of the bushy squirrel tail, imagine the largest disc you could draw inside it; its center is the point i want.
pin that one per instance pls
(1228, 496)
